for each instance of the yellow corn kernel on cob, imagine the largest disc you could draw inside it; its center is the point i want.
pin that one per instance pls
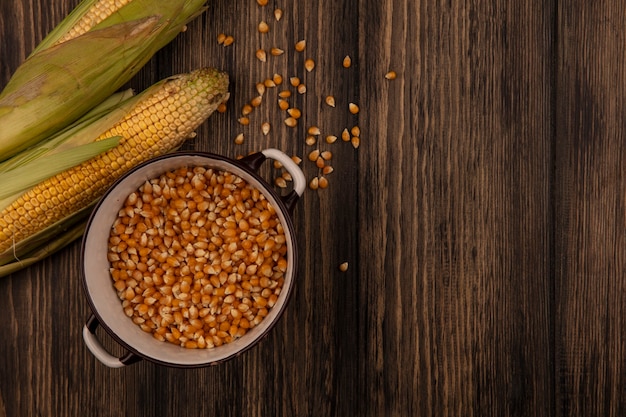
(99, 11)
(158, 124)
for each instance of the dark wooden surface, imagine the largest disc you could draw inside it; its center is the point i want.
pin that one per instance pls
(483, 219)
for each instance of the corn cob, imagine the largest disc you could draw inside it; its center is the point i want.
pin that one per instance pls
(156, 125)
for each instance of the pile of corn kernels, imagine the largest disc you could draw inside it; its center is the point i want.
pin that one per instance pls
(198, 257)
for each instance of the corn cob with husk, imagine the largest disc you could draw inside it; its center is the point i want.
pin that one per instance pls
(159, 121)
(84, 60)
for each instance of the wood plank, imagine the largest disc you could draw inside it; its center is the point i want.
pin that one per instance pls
(455, 209)
(590, 242)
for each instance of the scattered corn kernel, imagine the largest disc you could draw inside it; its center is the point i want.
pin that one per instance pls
(356, 141)
(343, 267)
(309, 64)
(354, 109)
(291, 122)
(246, 109)
(265, 128)
(295, 113)
(347, 61)
(322, 182)
(300, 45)
(314, 184)
(221, 108)
(261, 55)
(330, 100)
(239, 139)
(355, 131)
(260, 88)
(278, 14)
(345, 135)
(310, 140)
(331, 139)
(313, 155)
(294, 81)
(391, 75)
(256, 102)
(244, 121)
(262, 2)
(280, 182)
(263, 27)
(269, 83)
(284, 94)
(327, 155)
(276, 51)
(301, 89)
(314, 130)
(229, 40)
(283, 104)
(327, 169)
(278, 79)
(221, 38)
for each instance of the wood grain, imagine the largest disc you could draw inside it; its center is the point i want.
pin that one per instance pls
(458, 210)
(482, 218)
(590, 223)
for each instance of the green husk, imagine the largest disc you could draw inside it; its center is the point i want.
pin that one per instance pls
(57, 84)
(80, 132)
(43, 251)
(54, 88)
(45, 243)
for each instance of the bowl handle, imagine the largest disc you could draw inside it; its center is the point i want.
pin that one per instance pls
(254, 161)
(96, 348)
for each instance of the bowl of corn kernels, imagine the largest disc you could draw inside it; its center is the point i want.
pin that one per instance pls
(188, 260)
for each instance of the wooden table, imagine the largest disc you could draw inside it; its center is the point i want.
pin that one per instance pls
(482, 217)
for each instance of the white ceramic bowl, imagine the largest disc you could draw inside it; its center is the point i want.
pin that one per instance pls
(105, 304)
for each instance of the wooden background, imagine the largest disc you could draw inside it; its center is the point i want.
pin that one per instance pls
(482, 216)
